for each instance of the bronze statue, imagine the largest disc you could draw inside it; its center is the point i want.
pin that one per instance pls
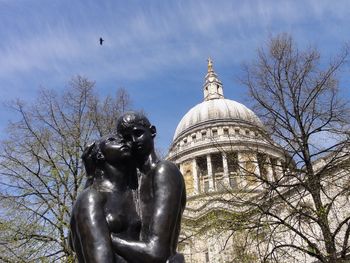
(106, 205)
(158, 201)
(162, 197)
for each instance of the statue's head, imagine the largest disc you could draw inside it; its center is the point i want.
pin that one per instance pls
(137, 129)
(112, 149)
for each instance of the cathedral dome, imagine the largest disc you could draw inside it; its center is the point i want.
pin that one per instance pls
(218, 136)
(225, 156)
(214, 110)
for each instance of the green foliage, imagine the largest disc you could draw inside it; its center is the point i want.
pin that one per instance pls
(296, 95)
(41, 168)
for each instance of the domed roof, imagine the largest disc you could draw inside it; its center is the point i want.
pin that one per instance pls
(215, 107)
(216, 110)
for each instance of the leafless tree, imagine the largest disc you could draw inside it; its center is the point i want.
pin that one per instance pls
(41, 171)
(304, 212)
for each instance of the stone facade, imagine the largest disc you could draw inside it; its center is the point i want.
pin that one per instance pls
(217, 145)
(221, 148)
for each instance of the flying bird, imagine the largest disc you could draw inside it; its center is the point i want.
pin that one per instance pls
(101, 40)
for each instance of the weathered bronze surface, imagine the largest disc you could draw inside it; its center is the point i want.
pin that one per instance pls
(131, 208)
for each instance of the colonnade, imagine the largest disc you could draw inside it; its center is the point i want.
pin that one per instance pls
(238, 178)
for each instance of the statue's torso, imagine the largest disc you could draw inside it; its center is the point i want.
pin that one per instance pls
(146, 203)
(121, 214)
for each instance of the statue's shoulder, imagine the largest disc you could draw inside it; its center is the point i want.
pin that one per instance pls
(89, 191)
(167, 170)
(168, 178)
(168, 166)
(87, 198)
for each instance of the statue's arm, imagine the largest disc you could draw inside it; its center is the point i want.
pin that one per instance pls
(168, 191)
(92, 229)
(89, 164)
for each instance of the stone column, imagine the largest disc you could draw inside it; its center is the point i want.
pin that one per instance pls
(256, 165)
(226, 177)
(241, 171)
(257, 171)
(279, 170)
(181, 168)
(269, 170)
(210, 173)
(195, 176)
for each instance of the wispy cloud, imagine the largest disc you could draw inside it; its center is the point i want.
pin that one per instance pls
(166, 33)
(49, 41)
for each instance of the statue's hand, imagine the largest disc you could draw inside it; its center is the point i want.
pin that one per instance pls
(116, 240)
(89, 164)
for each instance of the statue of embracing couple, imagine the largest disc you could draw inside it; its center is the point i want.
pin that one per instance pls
(131, 207)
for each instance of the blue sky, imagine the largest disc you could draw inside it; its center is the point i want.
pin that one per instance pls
(157, 50)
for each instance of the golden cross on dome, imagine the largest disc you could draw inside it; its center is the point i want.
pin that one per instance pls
(210, 64)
